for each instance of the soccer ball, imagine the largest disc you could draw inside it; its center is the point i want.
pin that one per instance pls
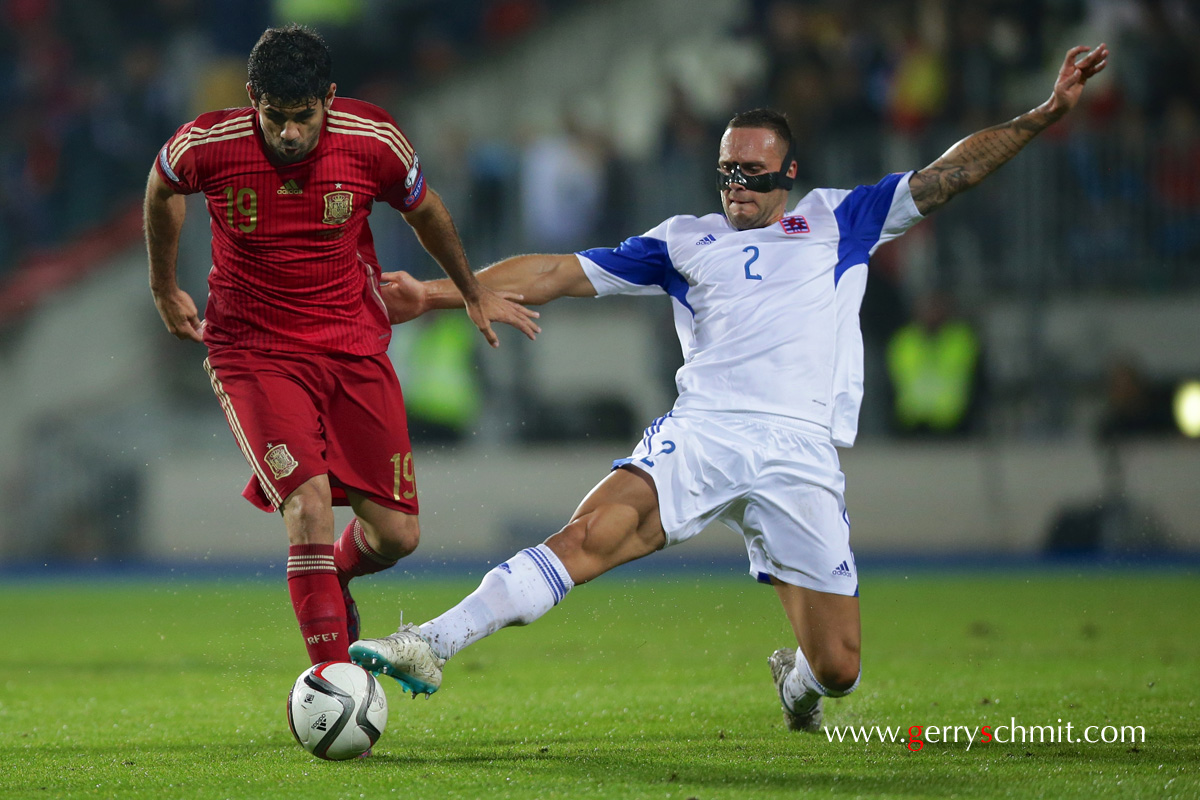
(337, 710)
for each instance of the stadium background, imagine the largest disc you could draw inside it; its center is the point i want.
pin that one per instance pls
(562, 125)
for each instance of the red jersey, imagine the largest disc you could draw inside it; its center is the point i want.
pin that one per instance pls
(294, 265)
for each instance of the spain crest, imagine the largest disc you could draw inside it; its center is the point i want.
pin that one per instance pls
(338, 207)
(280, 461)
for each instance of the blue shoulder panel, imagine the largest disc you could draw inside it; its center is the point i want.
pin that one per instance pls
(642, 260)
(860, 222)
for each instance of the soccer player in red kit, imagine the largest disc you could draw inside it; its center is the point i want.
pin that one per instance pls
(295, 326)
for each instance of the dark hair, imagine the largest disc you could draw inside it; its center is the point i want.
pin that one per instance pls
(773, 121)
(290, 65)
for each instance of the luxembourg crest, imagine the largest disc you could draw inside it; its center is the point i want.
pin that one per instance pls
(280, 461)
(338, 207)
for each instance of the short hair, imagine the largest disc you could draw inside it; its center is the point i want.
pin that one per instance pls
(773, 121)
(290, 65)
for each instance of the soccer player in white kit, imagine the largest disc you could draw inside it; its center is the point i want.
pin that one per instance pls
(766, 305)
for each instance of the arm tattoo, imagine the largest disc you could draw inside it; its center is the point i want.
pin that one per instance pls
(971, 160)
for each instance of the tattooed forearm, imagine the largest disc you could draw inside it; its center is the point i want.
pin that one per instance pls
(980, 154)
(973, 159)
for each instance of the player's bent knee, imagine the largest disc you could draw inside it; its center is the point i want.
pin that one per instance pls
(592, 534)
(840, 676)
(307, 499)
(599, 540)
(308, 514)
(400, 537)
(571, 537)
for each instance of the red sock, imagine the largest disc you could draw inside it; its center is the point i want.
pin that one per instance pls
(354, 556)
(317, 601)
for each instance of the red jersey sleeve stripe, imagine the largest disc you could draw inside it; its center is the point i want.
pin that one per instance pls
(382, 128)
(195, 132)
(405, 154)
(407, 162)
(226, 130)
(209, 140)
(348, 119)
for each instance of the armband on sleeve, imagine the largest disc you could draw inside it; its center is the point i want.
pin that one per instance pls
(414, 186)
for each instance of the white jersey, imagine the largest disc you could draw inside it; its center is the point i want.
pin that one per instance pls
(768, 318)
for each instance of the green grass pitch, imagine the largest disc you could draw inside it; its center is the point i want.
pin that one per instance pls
(642, 686)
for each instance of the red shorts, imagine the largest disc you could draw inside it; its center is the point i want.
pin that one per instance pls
(299, 415)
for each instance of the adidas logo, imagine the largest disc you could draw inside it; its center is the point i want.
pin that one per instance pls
(707, 239)
(320, 724)
(290, 187)
(842, 570)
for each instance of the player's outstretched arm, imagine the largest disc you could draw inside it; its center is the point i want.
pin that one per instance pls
(532, 279)
(164, 211)
(436, 232)
(982, 153)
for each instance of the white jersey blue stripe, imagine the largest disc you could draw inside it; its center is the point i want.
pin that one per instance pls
(643, 260)
(767, 318)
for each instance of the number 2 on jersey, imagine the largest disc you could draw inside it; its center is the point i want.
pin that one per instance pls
(750, 276)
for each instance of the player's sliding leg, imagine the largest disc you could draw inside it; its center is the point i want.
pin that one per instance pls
(312, 577)
(826, 664)
(374, 540)
(616, 523)
(517, 592)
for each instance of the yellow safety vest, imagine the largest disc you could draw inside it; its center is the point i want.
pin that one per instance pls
(442, 385)
(932, 374)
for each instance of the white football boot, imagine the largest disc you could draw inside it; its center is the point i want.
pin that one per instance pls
(781, 662)
(405, 656)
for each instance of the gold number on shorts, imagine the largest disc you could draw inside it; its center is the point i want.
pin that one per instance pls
(245, 202)
(404, 475)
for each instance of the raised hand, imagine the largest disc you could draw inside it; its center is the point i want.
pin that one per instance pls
(1073, 75)
(974, 158)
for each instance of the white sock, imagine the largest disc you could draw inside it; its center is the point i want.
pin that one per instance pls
(515, 593)
(801, 689)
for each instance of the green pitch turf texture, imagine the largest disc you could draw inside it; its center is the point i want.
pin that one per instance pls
(655, 686)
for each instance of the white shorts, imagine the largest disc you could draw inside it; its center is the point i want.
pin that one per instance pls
(776, 481)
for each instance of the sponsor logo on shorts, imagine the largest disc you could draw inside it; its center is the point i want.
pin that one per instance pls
(842, 570)
(280, 461)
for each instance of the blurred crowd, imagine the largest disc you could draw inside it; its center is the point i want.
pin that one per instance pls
(870, 86)
(96, 88)
(848, 68)
(1108, 201)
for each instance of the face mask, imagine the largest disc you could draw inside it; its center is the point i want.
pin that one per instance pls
(766, 182)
